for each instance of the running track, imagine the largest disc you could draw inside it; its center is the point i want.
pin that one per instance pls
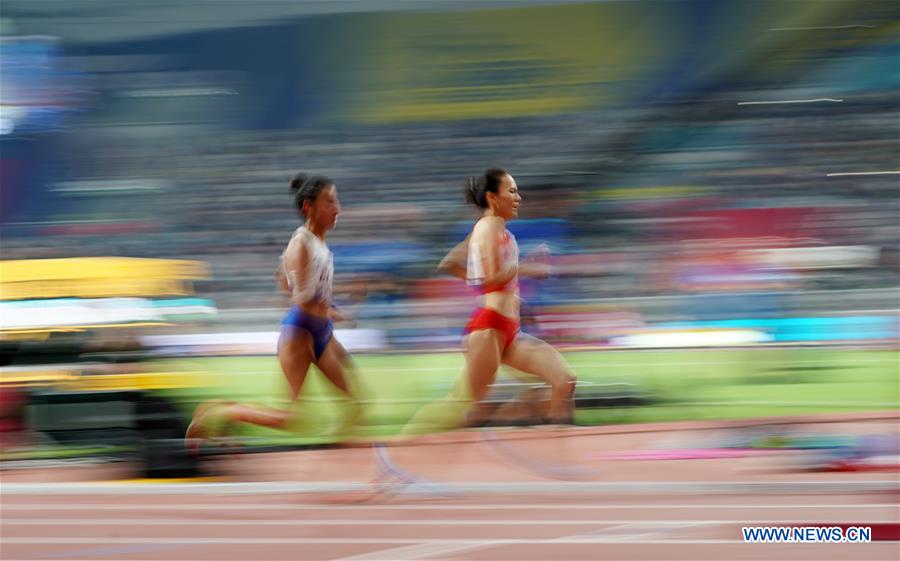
(315, 506)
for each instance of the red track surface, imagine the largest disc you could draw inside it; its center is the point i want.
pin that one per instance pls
(524, 525)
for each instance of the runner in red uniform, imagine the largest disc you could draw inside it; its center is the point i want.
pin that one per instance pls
(489, 259)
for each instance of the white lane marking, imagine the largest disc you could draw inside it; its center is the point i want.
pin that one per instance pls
(849, 26)
(850, 174)
(817, 100)
(391, 522)
(483, 488)
(410, 552)
(339, 541)
(298, 506)
(631, 532)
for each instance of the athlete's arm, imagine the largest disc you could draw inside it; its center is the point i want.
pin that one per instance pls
(302, 290)
(281, 278)
(454, 263)
(536, 264)
(338, 315)
(488, 235)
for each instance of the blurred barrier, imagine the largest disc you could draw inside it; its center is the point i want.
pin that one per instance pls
(253, 343)
(695, 334)
(847, 329)
(113, 410)
(135, 423)
(97, 277)
(652, 309)
(79, 313)
(832, 257)
(692, 338)
(45, 296)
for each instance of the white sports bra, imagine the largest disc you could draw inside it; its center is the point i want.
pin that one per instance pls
(317, 286)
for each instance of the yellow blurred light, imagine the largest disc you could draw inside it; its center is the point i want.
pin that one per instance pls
(96, 277)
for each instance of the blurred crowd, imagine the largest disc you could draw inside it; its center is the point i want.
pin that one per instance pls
(631, 192)
(668, 195)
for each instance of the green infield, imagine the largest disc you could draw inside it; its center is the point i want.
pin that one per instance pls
(665, 385)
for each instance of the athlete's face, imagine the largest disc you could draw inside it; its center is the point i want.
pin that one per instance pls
(505, 202)
(325, 209)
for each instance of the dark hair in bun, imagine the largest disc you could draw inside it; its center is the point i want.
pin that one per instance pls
(477, 188)
(307, 187)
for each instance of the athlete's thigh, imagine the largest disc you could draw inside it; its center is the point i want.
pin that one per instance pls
(533, 356)
(295, 353)
(483, 349)
(336, 365)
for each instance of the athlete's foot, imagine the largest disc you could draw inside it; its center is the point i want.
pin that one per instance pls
(392, 480)
(199, 431)
(196, 432)
(389, 479)
(562, 408)
(564, 417)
